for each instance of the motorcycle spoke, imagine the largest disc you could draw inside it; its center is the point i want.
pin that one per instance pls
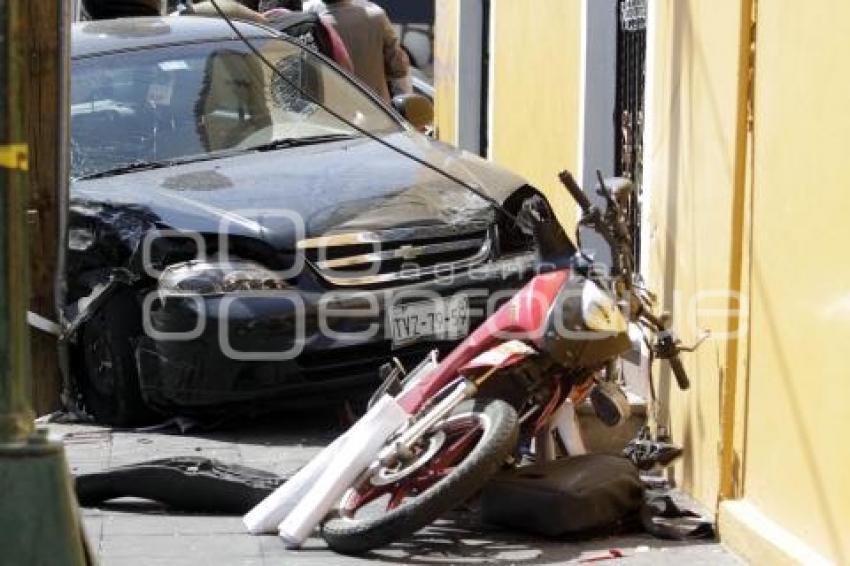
(450, 456)
(443, 463)
(360, 499)
(462, 436)
(401, 491)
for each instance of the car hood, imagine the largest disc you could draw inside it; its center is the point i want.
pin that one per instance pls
(283, 195)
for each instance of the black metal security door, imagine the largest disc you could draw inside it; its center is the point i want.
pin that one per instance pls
(629, 100)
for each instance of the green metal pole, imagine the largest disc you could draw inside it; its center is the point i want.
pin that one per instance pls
(39, 518)
(16, 415)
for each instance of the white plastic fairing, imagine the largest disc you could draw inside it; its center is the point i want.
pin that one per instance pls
(358, 450)
(599, 311)
(267, 515)
(565, 421)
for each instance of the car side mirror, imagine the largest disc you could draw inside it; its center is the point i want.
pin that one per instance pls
(416, 109)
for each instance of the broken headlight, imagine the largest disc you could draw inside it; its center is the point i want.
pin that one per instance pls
(218, 277)
(599, 311)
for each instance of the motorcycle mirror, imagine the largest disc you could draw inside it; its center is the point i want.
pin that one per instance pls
(620, 189)
(615, 190)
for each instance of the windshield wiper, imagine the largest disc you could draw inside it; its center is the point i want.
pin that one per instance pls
(295, 142)
(269, 146)
(150, 165)
(136, 166)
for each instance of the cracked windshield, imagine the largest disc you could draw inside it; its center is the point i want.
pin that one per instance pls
(165, 105)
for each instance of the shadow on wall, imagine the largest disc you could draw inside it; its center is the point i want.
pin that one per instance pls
(691, 98)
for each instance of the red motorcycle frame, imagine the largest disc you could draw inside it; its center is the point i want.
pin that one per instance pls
(522, 318)
(556, 340)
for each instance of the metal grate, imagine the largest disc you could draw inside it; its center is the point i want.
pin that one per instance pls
(629, 100)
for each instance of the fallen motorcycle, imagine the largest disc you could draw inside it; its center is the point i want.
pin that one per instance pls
(434, 436)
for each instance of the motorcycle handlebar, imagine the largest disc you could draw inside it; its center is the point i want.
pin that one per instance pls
(680, 373)
(576, 192)
(581, 199)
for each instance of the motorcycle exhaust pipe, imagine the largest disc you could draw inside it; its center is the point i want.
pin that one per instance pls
(358, 449)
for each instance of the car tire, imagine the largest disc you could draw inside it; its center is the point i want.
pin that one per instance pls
(110, 381)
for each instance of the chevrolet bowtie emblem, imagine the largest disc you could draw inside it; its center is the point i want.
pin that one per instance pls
(407, 252)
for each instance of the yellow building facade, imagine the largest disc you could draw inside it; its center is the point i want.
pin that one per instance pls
(743, 227)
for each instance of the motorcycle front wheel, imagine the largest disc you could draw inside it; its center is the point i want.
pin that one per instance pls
(451, 463)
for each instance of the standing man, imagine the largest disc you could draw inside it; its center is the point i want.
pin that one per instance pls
(372, 43)
(238, 10)
(307, 27)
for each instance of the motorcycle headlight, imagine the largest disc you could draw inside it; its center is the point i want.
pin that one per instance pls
(599, 311)
(216, 278)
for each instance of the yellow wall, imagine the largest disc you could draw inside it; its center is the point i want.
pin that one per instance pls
(688, 160)
(534, 92)
(797, 456)
(784, 228)
(728, 208)
(445, 69)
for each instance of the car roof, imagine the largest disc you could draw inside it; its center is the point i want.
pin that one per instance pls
(103, 36)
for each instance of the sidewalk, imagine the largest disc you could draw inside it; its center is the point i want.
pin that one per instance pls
(136, 532)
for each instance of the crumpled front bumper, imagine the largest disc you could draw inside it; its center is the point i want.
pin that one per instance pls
(204, 354)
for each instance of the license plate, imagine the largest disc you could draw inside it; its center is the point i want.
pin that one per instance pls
(442, 319)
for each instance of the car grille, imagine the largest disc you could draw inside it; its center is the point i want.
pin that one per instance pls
(397, 255)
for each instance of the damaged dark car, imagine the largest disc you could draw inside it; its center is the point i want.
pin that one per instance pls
(233, 246)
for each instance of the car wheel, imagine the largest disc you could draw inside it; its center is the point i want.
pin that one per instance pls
(110, 384)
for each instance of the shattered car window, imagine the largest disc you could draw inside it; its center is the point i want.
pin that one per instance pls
(179, 102)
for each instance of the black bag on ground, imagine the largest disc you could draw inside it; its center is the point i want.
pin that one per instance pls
(191, 484)
(570, 496)
(307, 28)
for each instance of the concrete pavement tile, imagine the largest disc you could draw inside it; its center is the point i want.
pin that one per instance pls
(125, 524)
(691, 554)
(221, 548)
(302, 453)
(281, 467)
(79, 430)
(270, 544)
(314, 552)
(228, 455)
(167, 440)
(86, 468)
(75, 443)
(283, 461)
(128, 457)
(93, 529)
(324, 558)
(176, 561)
(137, 532)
